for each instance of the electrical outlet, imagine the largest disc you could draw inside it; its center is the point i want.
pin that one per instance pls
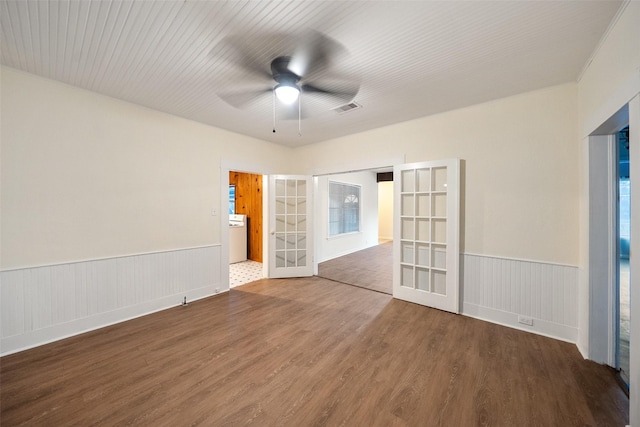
(217, 290)
(525, 320)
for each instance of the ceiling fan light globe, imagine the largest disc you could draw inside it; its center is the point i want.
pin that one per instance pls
(287, 94)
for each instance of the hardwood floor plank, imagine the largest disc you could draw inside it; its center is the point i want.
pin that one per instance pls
(307, 352)
(370, 268)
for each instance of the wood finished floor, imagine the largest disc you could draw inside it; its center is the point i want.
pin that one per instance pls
(302, 352)
(371, 268)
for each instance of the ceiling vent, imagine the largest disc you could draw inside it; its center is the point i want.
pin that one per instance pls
(347, 107)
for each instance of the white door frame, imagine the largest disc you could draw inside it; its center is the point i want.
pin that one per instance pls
(339, 169)
(603, 250)
(600, 299)
(227, 166)
(634, 262)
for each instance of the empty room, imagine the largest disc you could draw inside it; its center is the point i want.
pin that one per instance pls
(501, 128)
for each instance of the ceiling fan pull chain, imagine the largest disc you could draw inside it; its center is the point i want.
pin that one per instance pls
(300, 114)
(274, 110)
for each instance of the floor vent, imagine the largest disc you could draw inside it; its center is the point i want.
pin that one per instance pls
(347, 107)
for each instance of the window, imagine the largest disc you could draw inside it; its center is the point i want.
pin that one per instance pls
(344, 208)
(232, 199)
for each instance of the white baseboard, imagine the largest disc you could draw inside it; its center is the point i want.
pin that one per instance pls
(540, 327)
(502, 290)
(17, 343)
(42, 304)
(582, 350)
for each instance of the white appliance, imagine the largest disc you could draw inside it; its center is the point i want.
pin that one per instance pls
(237, 238)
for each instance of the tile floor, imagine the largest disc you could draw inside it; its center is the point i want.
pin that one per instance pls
(244, 272)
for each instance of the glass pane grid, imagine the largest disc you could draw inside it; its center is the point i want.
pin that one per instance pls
(406, 256)
(408, 181)
(423, 180)
(406, 276)
(423, 205)
(407, 231)
(422, 279)
(439, 179)
(439, 282)
(423, 212)
(439, 231)
(423, 229)
(439, 257)
(280, 188)
(292, 206)
(292, 188)
(407, 208)
(291, 222)
(439, 205)
(422, 255)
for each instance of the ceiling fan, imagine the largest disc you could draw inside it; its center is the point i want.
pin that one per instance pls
(291, 68)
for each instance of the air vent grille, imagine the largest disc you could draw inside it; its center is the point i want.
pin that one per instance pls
(347, 107)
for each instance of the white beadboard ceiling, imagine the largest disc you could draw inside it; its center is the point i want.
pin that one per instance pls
(412, 58)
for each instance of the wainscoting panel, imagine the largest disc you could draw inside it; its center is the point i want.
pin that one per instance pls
(501, 290)
(44, 304)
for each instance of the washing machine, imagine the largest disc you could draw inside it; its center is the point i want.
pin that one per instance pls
(237, 238)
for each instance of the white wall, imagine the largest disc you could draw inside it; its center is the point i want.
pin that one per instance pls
(332, 247)
(612, 77)
(520, 199)
(385, 210)
(521, 166)
(609, 82)
(106, 208)
(86, 176)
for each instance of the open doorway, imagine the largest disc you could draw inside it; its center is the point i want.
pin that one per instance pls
(385, 207)
(624, 277)
(245, 227)
(355, 228)
(609, 259)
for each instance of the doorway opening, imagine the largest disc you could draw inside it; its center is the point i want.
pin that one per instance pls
(385, 207)
(624, 234)
(245, 228)
(362, 256)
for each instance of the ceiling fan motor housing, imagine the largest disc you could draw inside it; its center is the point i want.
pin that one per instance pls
(282, 74)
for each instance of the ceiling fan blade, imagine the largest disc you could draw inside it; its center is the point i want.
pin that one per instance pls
(243, 99)
(246, 71)
(236, 50)
(343, 92)
(314, 53)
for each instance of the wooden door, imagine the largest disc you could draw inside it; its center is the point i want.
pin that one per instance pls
(249, 203)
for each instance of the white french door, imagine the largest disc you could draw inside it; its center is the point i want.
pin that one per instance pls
(426, 240)
(290, 226)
